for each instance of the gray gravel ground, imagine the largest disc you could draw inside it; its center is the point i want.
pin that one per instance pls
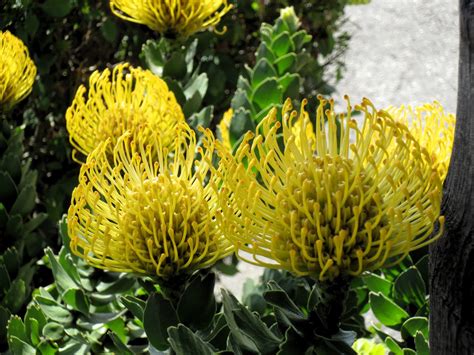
(401, 52)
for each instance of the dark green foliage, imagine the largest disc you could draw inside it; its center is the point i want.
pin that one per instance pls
(20, 242)
(79, 313)
(399, 300)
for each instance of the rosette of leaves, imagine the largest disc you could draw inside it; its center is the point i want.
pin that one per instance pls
(79, 313)
(275, 75)
(398, 298)
(177, 65)
(19, 240)
(280, 316)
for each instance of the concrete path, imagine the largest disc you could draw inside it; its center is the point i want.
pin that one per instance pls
(403, 52)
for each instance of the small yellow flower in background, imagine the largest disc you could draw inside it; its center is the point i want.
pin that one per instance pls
(182, 17)
(433, 128)
(146, 210)
(356, 198)
(127, 98)
(17, 70)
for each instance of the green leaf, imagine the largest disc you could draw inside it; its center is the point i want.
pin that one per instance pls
(175, 86)
(121, 347)
(263, 70)
(159, 315)
(240, 124)
(118, 327)
(414, 325)
(410, 288)
(386, 311)
(34, 321)
(190, 54)
(35, 222)
(292, 344)
(53, 331)
(285, 63)
(278, 298)
(153, 54)
(17, 328)
(192, 105)
(19, 347)
(7, 187)
(31, 24)
(16, 296)
(35, 333)
(421, 344)
(202, 118)
(12, 260)
(134, 305)
(25, 201)
(47, 348)
(197, 85)
(74, 347)
(423, 267)
(198, 295)
(300, 38)
(4, 318)
(58, 8)
(393, 346)
(12, 164)
(175, 67)
(240, 100)
(54, 310)
(282, 45)
(184, 342)
(123, 284)
(3, 216)
(14, 227)
(6, 282)
(77, 300)
(109, 30)
(247, 328)
(264, 51)
(267, 93)
(63, 280)
(377, 283)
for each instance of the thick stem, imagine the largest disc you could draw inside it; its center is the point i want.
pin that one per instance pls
(333, 297)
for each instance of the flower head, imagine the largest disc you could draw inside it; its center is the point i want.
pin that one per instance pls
(135, 213)
(433, 128)
(224, 127)
(355, 198)
(182, 17)
(17, 70)
(127, 98)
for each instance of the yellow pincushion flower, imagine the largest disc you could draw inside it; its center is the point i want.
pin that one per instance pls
(224, 127)
(358, 197)
(433, 128)
(182, 17)
(127, 98)
(17, 70)
(146, 210)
